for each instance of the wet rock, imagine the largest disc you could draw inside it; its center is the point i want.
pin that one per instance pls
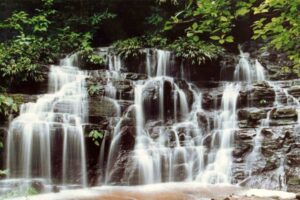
(243, 114)
(252, 116)
(207, 101)
(293, 158)
(294, 181)
(266, 132)
(282, 122)
(284, 113)
(241, 150)
(268, 150)
(293, 178)
(294, 91)
(207, 140)
(103, 107)
(245, 134)
(293, 146)
(204, 121)
(123, 160)
(260, 95)
(135, 76)
(271, 164)
(55, 189)
(37, 186)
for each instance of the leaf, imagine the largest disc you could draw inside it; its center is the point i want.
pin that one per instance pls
(215, 37)
(190, 34)
(242, 11)
(229, 39)
(224, 19)
(195, 25)
(196, 38)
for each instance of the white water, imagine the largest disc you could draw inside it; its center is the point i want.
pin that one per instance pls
(219, 168)
(247, 71)
(36, 131)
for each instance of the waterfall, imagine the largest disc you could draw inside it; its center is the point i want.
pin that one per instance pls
(163, 62)
(161, 131)
(260, 72)
(33, 135)
(114, 64)
(248, 72)
(219, 170)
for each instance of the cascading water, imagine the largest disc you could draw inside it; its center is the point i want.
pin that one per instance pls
(176, 152)
(46, 141)
(245, 71)
(219, 168)
(174, 138)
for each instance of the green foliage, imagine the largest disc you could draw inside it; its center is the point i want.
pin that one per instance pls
(20, 192)
(89, 56)
(19, 58)
(128, 48)
(279, 27)
(96, 59)
(98, 18)
(185, 48)
(96, 136)
(94, 89)
(88, 23)
(155, 40)
(196, 52)
(36, 43)
(7, 106)
(155, 19)
(205, 18)
(209, 20)
(262, 102)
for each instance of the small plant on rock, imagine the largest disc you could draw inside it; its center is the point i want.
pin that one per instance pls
(96, 136)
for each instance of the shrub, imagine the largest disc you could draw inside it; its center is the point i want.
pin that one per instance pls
(279, 27)
(128, 48)
(7, 106)
(196, 52)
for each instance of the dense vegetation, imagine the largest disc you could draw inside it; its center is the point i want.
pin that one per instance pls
(39, 32)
